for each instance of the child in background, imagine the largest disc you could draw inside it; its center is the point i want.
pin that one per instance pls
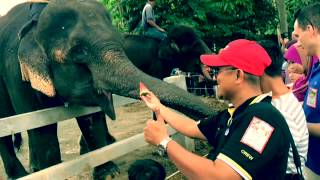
(295, 71)
(297, 77)
(297, 54)
(146, 169)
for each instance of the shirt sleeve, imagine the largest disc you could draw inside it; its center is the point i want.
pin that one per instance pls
(209, 127)
(149, 13)
(254, 144)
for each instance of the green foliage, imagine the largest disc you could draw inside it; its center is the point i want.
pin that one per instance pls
(215, 21)
(293, 6)
(233, 19)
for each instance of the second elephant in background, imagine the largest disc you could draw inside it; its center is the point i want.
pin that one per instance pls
(182, 49)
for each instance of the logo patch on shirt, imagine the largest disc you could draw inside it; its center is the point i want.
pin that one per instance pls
(246, 154)
(312, 97)
(257, 134)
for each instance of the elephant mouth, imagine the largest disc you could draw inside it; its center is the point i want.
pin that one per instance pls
(105, 101)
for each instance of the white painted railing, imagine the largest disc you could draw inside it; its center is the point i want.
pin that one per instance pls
(83, 163)
(90, 160)
(35, 119)
(23, 122)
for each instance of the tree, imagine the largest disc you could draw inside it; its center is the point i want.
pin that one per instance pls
(281, 6)
(215, 21)
(292, 6)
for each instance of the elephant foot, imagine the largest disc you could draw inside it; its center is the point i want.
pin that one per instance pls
(33, 169)
(106, 170)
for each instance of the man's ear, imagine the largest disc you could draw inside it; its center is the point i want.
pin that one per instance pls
(312, 30)
(34, 65)
(239, 75)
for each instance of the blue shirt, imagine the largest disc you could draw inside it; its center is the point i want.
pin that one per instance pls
(311, 107)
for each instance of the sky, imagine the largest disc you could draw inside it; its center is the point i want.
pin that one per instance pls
(6, 5)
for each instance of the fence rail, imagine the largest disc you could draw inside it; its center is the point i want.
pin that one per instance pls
(35, 119)
(88, 161)
(22, 122)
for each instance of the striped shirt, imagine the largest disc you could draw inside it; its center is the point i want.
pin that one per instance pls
(292, 111)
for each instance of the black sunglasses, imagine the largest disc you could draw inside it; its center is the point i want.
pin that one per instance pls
(217, 70)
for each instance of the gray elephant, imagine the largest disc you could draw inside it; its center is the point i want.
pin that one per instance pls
(73, 55)
(182, 49)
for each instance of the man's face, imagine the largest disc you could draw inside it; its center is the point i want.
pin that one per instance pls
(306, 38)
(153, 3)
(225, 77)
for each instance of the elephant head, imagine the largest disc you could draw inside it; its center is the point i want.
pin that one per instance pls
(75, 46)
(183, 45)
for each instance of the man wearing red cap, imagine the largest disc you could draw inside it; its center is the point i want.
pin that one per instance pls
(250, 141)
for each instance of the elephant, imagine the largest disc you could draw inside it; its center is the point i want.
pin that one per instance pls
(182, 49)
(73, 45)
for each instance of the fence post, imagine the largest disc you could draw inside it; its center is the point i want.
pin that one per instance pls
(180, 81)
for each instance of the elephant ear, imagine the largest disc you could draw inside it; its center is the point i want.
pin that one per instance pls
(34, 65)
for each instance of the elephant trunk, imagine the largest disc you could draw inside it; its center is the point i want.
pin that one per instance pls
(206, 50)
(120, 76)
(205, 72)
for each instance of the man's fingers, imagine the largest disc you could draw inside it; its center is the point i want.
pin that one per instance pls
(160, 118)
(144, 99)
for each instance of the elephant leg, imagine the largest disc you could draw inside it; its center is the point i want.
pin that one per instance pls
(189, 84)
(44, 149)
(96, 135)
(17, 142)
(12, 165)
(83, 145)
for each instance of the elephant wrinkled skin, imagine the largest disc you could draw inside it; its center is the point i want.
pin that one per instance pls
(73, 55)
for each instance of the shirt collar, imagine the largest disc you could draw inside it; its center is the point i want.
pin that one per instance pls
(255, 99)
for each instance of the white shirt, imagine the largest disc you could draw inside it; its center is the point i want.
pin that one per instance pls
(293, 113)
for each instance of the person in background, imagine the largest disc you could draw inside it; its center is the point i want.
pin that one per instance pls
(251, 140)
(295, 71)
(285, 101)
(146, 169)
(307, 31)
(150, 27)
(297, 54)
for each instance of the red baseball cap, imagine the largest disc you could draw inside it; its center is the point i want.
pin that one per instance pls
(243, 54)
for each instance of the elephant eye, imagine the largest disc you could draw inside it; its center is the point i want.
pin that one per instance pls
(79, 53)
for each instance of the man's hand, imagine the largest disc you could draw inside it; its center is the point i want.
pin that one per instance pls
(149, 98)
(155, 131)
(284, 41)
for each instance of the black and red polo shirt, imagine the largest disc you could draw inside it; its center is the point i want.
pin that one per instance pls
(253, 139)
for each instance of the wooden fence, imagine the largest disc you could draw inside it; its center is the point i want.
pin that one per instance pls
(23, 122)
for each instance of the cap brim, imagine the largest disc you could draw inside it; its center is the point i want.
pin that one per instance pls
(212, 60)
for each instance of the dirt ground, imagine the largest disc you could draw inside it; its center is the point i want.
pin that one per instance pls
(131, 120)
